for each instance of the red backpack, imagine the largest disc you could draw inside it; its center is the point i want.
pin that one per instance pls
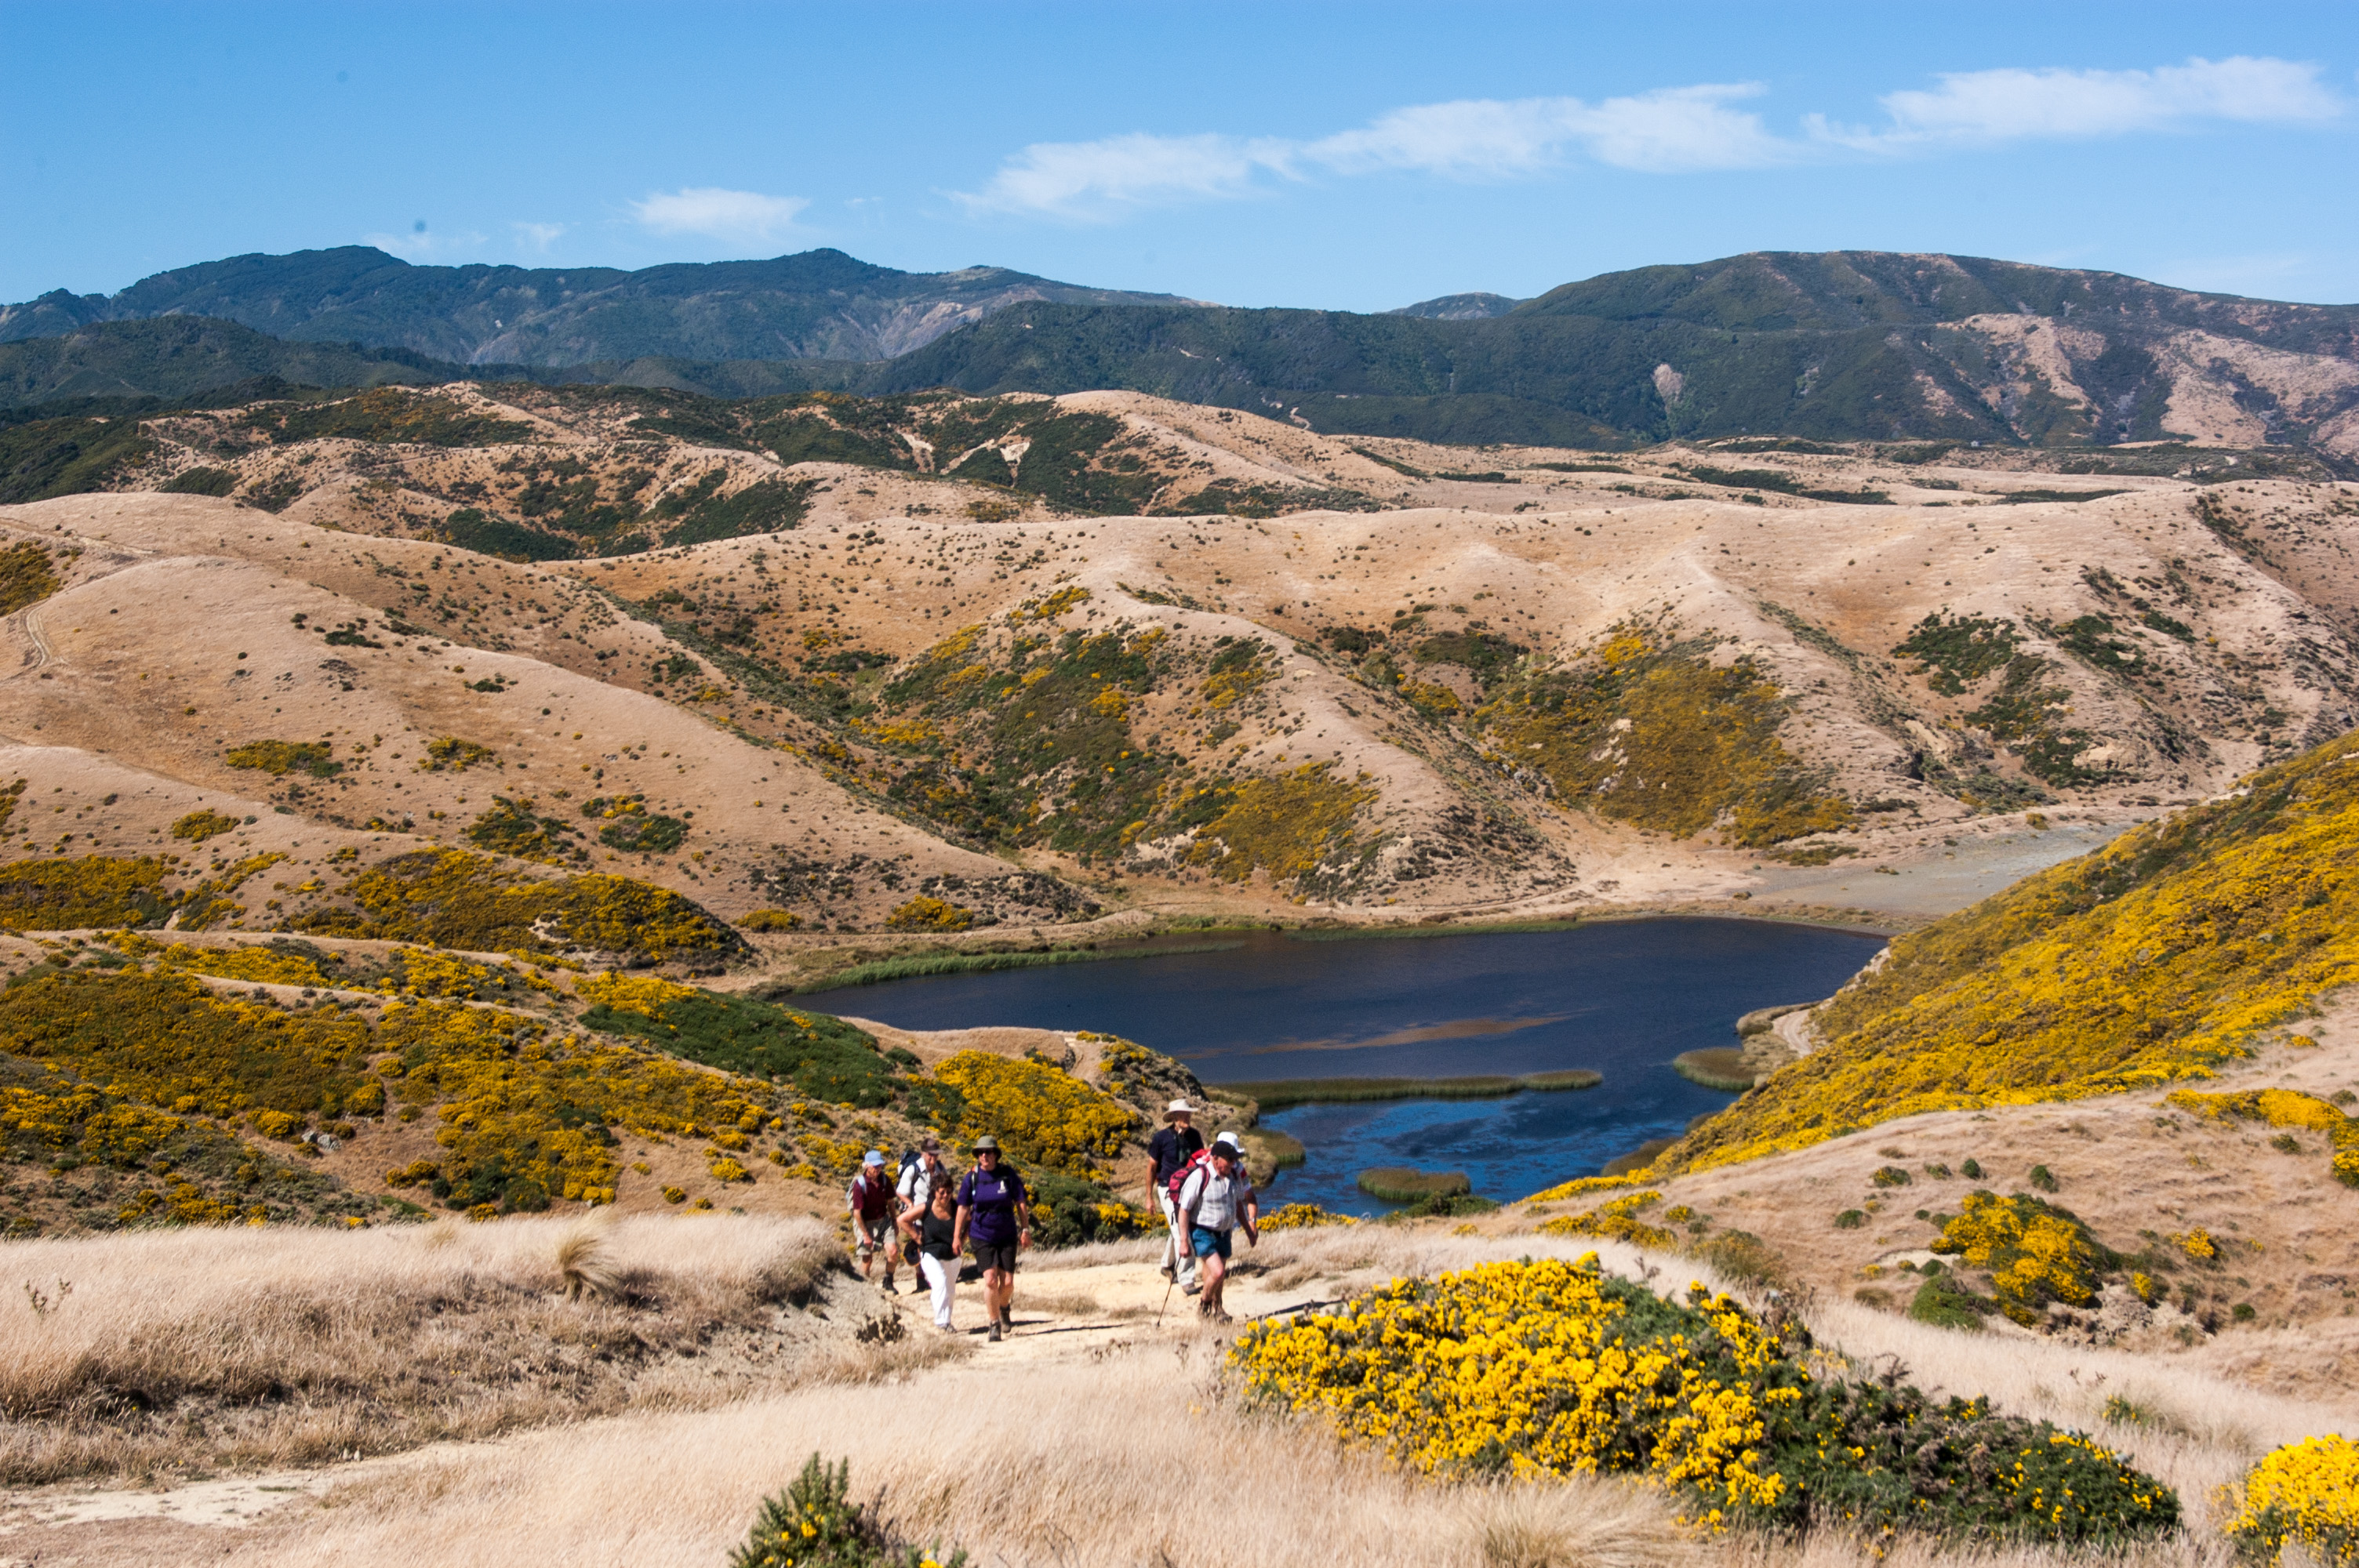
(1201, 1160)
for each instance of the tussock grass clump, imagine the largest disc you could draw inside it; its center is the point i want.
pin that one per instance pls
(1544, 1368)
(1715, 1067)
(1401, 1183)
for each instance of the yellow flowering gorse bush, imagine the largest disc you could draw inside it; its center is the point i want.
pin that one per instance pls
(1546, 1367)
(2306, 1495)
(2284, 1108)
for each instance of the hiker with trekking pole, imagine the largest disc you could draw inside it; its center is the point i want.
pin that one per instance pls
(1168, 1153)
(994, 1218)
(1214, 1200)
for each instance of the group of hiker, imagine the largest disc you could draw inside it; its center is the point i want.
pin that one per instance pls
(927, 1218)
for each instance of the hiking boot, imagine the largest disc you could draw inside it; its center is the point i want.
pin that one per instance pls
(889, 1288)
(1191, 1288)
(995, 1332)
(1007, 1318)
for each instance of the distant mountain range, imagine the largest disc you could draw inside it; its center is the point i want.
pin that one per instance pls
(818, 304)
(1833, 346)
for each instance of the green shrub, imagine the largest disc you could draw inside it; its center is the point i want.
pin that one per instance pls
(202, 481)
(1943, 1302)
(814, 1523)
(1890, 1176)
(199, 825)
(644, 834)
(279, 758)
(822, 1056)
(2043, 1179)
(1851, 1219)
(1971, 1169)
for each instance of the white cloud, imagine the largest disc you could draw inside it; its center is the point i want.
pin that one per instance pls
(718, 215)
(1676, 129)
(1984, 106)
(537, 237)
(1078, 179)
(1671, 130)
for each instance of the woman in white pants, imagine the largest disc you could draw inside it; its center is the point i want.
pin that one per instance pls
(934, 1229)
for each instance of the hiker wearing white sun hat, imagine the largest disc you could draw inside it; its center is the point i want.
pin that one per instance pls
(870, 1198)
(1172, 1149)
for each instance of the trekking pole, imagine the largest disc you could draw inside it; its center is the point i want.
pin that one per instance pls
(1166, 1300)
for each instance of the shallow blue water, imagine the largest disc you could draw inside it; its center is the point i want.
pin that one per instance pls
(1622, 998)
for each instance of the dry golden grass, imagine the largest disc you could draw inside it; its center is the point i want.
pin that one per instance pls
(1127, 1458)
(202, 1348)
(1108, 1447)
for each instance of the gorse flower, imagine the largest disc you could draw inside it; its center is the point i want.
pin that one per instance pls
(2035, 1252)
(2305, 1494)
(1303, 1217)
(1544, 1368)
(814, 1523)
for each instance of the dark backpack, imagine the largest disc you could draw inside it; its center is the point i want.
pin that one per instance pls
(909, 1158)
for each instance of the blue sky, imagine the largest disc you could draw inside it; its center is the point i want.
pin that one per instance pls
(1352, 156)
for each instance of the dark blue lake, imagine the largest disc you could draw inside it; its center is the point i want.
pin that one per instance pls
(1622, 998)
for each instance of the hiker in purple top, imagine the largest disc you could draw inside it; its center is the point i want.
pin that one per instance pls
(994, 1218)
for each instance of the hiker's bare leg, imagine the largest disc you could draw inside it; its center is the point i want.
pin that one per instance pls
(1216, 1272)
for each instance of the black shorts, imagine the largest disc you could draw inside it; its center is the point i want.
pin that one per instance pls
(989, 1255)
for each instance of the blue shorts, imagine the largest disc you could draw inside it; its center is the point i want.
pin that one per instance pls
(1207, 1242)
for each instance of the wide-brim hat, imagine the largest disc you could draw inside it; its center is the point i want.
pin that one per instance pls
(986, 1144)
(1178, 1107)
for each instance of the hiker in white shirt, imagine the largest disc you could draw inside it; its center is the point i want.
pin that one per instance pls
(921, 1176)
(1214, 1201)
